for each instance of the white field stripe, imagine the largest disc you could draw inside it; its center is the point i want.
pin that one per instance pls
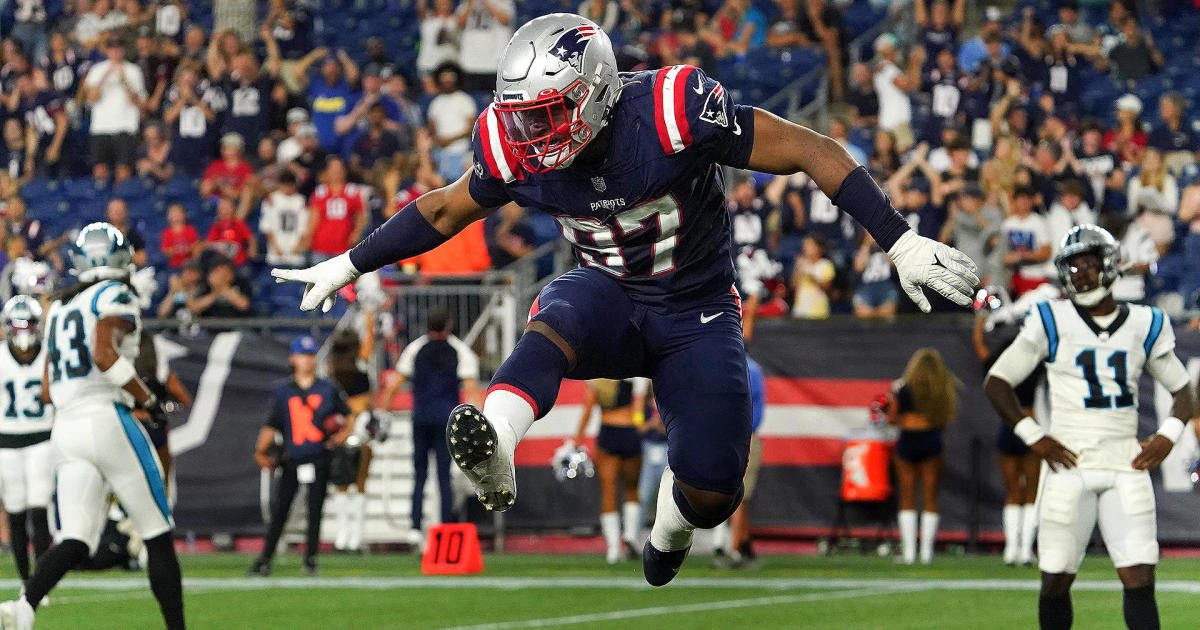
(493, 125)
(778, 421)
(668, 97)
(653, 611)
(596, 582)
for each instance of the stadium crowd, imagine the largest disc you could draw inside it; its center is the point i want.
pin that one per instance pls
(225, 138)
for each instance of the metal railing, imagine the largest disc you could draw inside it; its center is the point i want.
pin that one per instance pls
(815, 111)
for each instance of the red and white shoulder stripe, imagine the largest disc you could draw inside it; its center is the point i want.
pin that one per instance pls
(501, 162)
(670, 111)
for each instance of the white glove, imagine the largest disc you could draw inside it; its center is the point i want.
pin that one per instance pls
(321, 280)
(924, 262)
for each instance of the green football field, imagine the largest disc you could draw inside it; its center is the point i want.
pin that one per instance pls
(570, 591)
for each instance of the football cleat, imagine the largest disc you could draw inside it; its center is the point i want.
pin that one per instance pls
(16, 615)
(260, 568)
(310, 566)
(661, 567)
(477, 451)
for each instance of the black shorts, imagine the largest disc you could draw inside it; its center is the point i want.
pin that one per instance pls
(918, 446)
(619, 441)
(116, 149)
(1007, 443)
(158, 436)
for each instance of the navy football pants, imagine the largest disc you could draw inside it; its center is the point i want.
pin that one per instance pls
(695, 358)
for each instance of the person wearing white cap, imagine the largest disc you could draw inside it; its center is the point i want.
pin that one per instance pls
(289, 147)
(893, 86)
(1128, 139)
(228, 173)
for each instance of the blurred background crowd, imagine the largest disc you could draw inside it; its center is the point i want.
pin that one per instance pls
(226, 137)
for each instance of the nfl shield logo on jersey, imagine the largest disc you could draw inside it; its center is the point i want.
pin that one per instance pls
(599, 184)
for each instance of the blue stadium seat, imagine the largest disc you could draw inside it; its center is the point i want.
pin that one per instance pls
(859, 18)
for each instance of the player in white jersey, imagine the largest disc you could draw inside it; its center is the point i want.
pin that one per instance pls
(1095, 351)
(26, 465)
(91, 340)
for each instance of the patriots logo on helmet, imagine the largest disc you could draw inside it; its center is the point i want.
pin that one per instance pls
(570, 46)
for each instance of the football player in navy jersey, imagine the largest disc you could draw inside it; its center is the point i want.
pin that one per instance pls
(629, 165)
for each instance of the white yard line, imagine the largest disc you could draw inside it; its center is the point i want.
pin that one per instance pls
(633, 613)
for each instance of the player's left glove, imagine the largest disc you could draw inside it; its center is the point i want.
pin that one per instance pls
(924, 262)
(322, 281)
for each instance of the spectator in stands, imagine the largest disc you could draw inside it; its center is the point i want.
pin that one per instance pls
(410, 177)
(839, 130)
(689, 48)
(154, 156)
(37, 242)
(224, 45)
(179, 238)
(1062, 70)
(16, 63)
(229, 236)
(861, 97)
(975, 50)
(169, 19)
(605, 13)
(1174, 137)
(1138, 253)
(922, 404)
(885, 157)
(509, 235)
(192, 120)
(289, 147)
(876, 295)
(338, 214)
(117, 213)
(47, 122)
(396, 89)
(451, 117)
(253, 92)
(157, 68)
(292, 28)
(226, 176)
(997, 173)
(1153, 199)
(1135, 57)
(29, 27)
(311, 161)
(944, 83)
(485, 27)
(63, 67)
(283, 221)
(14, 158)
(823, 26)
(922, 202)
(1129, 138)
(221, 297)
(973, 227)
(748, 217)
(182, 288)
(735, 28)
(1027, 240)
(1067, 211)
(195, 45)
(893, 86)
(1078, 31)
(375, 144)
(15, 248)
(116, 91)
(939, 25)
(954, 161)
(1098, 165)
(812, 276)
(353, 123)
(266, 176)
(330, 93)
(96, 22)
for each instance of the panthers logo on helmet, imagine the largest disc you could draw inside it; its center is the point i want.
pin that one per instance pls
(570, 46)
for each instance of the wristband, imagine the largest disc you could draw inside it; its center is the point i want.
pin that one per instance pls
(408, 233)
(862, 199)
(1171, 428)
(1029, 431)
(120, 372)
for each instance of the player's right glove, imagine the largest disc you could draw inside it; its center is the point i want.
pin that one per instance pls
(924, 262)
(322, 281)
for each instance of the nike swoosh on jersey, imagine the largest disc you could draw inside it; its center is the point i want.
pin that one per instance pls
(704, 319)
(699, 89)
(737, 129)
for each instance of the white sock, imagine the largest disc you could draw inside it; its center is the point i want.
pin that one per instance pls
(671, 532)
(1029, 523)
(510, 415)
(929, 528)
(1011, 517)
(340, 516)
(720, 538)
(631, 522)
(357, 508)
(610, 526)
(908, 535)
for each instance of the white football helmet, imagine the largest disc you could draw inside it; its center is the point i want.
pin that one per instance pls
(555, 86)
(1088, 238)
(101, 252)
(32, 277)
(22, 318)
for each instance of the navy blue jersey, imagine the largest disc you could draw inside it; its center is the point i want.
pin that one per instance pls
(299, 415)
(64, 76)
(249, 108)
(650, 211)
(435, 365)
(39, 113)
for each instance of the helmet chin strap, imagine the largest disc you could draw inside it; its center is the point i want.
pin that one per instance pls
(102, 273)
(1093, 297)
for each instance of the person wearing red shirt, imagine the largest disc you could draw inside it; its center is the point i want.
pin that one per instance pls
(230, 236)
(1128, 139)
(179, 238)
(226, 176)
(337, 214)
